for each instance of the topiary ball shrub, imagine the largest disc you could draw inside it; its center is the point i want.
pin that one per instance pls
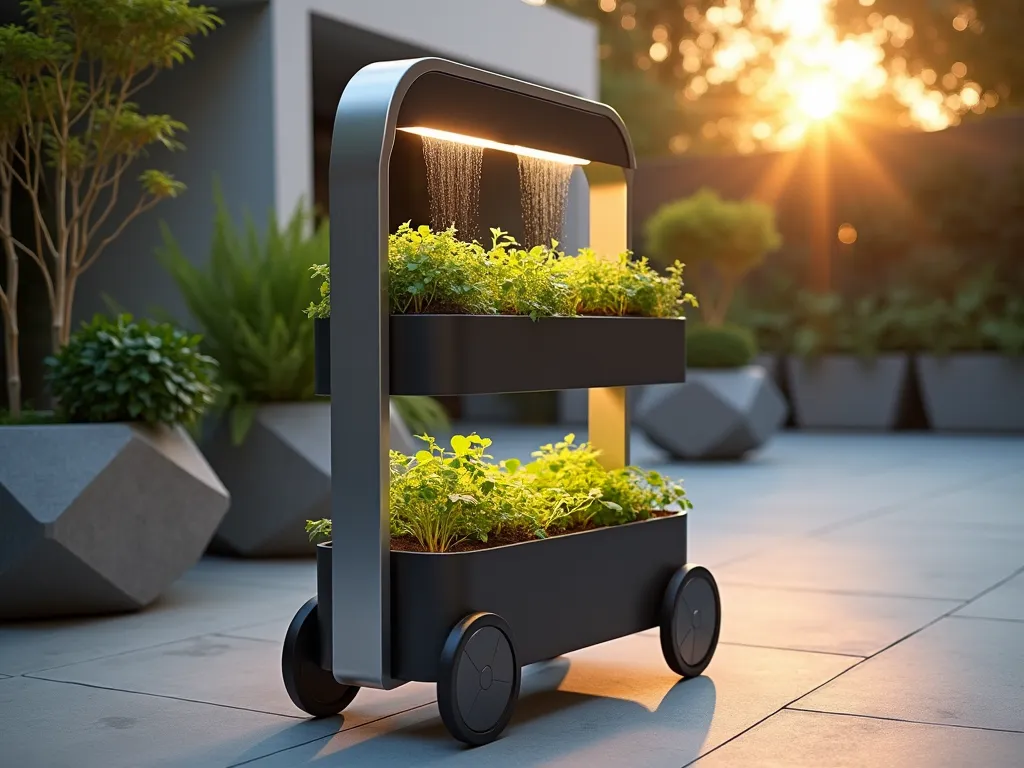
(724, 346)
(125, 370)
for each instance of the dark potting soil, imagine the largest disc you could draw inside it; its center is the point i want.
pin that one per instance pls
(409, 544)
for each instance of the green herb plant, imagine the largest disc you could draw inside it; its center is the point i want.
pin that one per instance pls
(441, 498)
(434, 272)
(126, 370)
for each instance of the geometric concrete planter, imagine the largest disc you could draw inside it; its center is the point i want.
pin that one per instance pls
(279, 477)
(716, 414)
(100, 518)
(979, 392)
(848, 392)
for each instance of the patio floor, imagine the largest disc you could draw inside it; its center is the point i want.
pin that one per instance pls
(873, 602)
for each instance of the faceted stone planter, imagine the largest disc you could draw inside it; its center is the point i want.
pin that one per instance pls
(848, 392)
(279, 477)
(100, 518)
(716, 414)
(973, 392)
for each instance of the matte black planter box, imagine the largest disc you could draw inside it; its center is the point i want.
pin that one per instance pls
(488, 354)
(558, 595)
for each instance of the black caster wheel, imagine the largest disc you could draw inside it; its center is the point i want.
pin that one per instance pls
(691, 617)
(311, 688)
(479, 680)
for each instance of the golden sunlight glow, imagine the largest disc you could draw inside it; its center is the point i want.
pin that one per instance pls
(817, 99)
(789, 55)
(847, 234)
(476, 141)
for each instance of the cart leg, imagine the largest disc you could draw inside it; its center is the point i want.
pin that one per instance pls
(311, 688)
(479, 680)
(691, 617)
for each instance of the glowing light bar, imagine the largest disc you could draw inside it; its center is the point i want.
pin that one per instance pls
(475, 141)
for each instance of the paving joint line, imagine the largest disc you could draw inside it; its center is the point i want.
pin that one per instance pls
(163, 696)
(343, 729)
(903, 720)
(845, 592)
(790, 704)
(860, 656)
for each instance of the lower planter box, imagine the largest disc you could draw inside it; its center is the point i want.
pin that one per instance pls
(100, 518)
(980, 392)
(557, 595)
(848, 392)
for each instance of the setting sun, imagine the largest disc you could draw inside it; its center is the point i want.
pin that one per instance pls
(818, 98)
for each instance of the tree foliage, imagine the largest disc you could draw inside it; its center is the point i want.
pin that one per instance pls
(720, 240)
(70, 131)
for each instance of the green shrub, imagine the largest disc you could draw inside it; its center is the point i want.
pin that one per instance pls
(726, 346)
(422, 415)
(441, 498)
(249, 300)
(122, 370)
(721, 240)
(434, 272)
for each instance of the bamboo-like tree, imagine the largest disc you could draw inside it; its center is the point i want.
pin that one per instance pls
(70, 131)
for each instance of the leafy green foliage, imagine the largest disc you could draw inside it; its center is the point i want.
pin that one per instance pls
(442, 497)
(123, 370)
(724, 346)
(249, 299)
(434, 272)
(830, 324)
(27, 417)
(422, 415)
(723, 240)
(624, 287)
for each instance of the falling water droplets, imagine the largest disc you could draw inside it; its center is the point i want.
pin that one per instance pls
(453, 184)
(544, 189)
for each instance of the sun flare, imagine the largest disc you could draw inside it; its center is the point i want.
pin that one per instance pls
(800, 70)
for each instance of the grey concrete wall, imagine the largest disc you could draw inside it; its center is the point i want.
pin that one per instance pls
(225, 98)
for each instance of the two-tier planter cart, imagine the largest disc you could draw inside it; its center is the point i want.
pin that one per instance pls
(470, 621)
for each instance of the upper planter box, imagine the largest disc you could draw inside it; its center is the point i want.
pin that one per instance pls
(487, 354)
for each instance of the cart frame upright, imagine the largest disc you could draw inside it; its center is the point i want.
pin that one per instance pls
(379, 100)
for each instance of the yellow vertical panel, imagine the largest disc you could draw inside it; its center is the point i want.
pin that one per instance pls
(607, 413)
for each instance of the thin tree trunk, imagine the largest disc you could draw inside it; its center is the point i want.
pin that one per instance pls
(11, 333)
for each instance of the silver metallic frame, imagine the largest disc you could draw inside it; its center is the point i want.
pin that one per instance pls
(361, 147)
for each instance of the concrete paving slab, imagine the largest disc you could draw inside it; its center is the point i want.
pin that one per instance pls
(604, 706)
(291, 574)
(57, 725)
(881, 557)
(228, 671)
(1004, 602)
(792, 739)
(955, 672)
(816, 621)
(188, 609)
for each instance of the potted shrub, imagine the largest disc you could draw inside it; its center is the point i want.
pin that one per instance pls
(726, 408)
(721, 241)
(849, 367)
(972, 374)
(270, 443)
(107, 500)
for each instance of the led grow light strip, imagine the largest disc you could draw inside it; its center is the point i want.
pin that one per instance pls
(475, 141)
